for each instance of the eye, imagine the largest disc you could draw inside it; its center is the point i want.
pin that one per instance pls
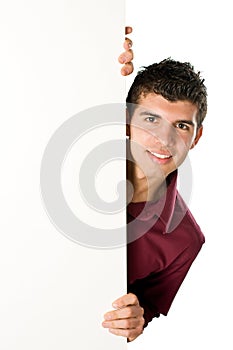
(151, 119)
(182, 126)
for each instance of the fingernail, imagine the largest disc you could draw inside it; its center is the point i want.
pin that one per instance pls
(107, 317)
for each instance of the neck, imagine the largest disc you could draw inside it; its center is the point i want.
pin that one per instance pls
(144, 188)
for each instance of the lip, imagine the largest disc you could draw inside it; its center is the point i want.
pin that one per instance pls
(159, 157)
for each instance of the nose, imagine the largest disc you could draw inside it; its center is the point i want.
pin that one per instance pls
(166, 134)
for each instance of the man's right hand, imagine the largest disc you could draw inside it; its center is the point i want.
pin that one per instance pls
(127, 56)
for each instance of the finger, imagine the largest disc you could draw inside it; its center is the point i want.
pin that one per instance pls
(128, 30)
(125, 312)
(125, 300)
(134, 334)
(127, 44)
(127, 323)
(127, 69)
(131, 334)
(126, 57)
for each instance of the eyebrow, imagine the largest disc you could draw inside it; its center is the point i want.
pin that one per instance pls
(189, 122)
(151, 114)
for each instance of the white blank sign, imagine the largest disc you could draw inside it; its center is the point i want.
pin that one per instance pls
(59, 58)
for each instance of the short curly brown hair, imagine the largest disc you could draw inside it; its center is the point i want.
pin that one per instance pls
(174, 80)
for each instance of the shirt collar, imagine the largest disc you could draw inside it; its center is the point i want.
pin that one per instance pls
(162, 208)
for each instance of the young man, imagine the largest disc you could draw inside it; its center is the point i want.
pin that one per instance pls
(166, 106)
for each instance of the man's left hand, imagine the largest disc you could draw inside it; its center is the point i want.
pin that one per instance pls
(127, 318)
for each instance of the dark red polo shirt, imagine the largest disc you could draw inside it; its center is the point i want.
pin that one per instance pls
(159, 259)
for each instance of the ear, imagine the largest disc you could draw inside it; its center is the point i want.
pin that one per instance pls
(127, 123)
(198, 136)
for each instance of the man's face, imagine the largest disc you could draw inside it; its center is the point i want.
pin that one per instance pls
(162, 132)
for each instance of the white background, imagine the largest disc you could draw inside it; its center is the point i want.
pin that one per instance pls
(57, 59)
(199, 32)
(47, 50)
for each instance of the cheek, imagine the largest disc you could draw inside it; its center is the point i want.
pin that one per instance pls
(139, 135)
(181, 152)
(185, 141)
(183, 146)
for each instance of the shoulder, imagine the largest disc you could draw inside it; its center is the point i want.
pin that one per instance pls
(188, 224)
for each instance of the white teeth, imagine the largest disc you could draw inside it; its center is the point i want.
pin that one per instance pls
(161, 156)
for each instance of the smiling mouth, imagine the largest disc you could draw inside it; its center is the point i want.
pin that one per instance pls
(160, 156)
